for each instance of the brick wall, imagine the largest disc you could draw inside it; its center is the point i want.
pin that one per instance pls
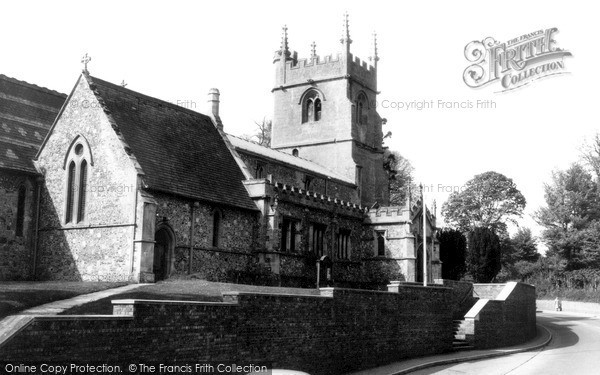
(339, 331)
(462, 296)
(508, 319)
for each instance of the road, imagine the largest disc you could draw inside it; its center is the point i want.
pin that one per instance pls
(574, 350)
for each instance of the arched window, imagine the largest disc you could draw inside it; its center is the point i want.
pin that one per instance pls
(380, 243)
(309, 110)
(216, 228)
(317, 109)
(311, 106)
(295, 152)
(82, 190)
(362, 109)
(20, 211)
(70, 192)
(77, 182)
(260, 171)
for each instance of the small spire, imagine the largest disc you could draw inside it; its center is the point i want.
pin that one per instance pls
(375, 56)
(313, 50)
(85, 60)
(285, 51)
(123, 84)
(346, 41)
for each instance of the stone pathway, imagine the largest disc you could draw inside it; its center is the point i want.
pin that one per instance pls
(14, 323)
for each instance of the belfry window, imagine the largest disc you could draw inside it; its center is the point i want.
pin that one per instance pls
(77, 184)
(362, 109)
(311, 107)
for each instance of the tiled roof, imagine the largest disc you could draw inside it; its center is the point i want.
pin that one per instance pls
(285, 158)
(26, 114)
(180, 150)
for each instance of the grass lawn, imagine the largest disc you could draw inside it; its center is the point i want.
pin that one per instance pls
(19, 296)
(179, 289)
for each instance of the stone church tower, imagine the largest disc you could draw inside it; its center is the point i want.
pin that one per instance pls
(325, 112)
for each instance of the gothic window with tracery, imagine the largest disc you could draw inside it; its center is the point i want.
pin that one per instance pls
(362, 109)
(77, 183)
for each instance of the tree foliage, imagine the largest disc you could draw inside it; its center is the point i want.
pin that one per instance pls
(591, 154)
(483, 254)
(453, 249)
(524, 245)
(519, 255)
(571, 217)
(488, 200)
(262, 136)
(400, 177)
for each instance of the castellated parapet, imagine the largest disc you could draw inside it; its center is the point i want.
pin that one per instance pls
(299, 71)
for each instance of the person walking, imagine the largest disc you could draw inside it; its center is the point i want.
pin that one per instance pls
(557, 304)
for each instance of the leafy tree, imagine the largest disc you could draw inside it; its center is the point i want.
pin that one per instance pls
(400, 175)
(453, 248)
(525, 246)
(571, 199)
(519, 253)
(571, 217)
(262, 136)
(483, 254)
(489, 200)
(591, 155)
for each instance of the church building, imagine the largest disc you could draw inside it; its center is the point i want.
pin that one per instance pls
(133, 188)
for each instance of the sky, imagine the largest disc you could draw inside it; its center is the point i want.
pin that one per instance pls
(178, 50)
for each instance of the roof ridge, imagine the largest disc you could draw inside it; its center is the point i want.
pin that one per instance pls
(32, 86)
(330, 173)
(281, 152)
(144, 96)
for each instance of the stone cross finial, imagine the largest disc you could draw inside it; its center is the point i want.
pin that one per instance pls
(313, 50)
(85, 60)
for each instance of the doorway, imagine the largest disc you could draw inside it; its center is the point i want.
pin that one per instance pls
(163, 253)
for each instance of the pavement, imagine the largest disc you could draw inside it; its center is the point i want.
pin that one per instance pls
(14, 323)
(542, 338)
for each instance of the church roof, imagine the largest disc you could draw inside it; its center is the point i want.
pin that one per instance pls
(285, 158)
(27, 112)
(180, 150)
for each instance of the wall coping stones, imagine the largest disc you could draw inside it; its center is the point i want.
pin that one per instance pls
(235, 294)
(166, 302)
(80, 317)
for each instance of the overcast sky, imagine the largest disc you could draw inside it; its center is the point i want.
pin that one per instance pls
(177, 50)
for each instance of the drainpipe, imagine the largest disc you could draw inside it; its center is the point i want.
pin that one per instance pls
(39, 182)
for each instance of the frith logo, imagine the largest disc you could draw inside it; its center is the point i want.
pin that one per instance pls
(515, 63)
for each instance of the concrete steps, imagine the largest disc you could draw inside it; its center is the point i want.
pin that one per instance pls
(460, 340)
